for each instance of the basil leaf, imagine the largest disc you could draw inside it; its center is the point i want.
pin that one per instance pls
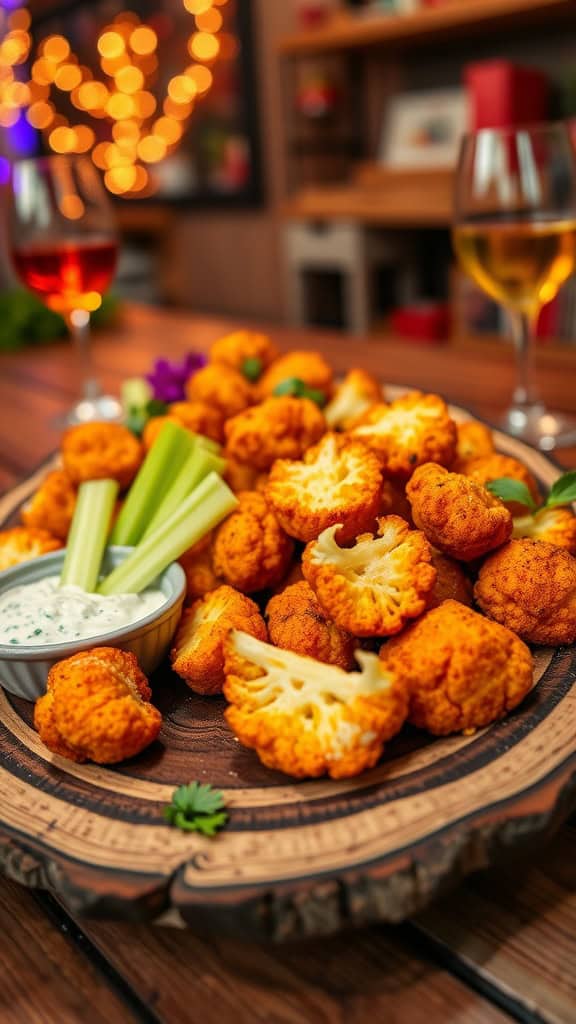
(563, 491)
(508, 489)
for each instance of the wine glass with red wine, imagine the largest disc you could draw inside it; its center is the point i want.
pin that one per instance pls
(65, 249)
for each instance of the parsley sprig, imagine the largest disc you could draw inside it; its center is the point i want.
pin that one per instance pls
(562, 493)
(298, 389)
(197, 808)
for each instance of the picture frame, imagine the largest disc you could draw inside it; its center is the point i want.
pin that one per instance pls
(424, 129)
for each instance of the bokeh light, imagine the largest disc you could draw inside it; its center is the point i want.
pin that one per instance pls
(111, 44)
(143, 40)
(204, 46)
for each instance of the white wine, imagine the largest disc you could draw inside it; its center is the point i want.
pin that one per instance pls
(520, 263)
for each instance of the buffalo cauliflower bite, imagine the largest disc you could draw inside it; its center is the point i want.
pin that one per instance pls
(409, 432)
(530, 587)
(357, 393)
(241, 476)
(305, 718)
(375, 587)
(474, 439)
(553, 525)
(246, 351)
(458, 516)
(221, 388)
(197, 417)
(97, 451)
(462, 671)
(297, 623)
(452, 584)
(279, 428)
(97, 708)
(251, 550)
(198, 564)
(336, 482)
(198, 652)
(487, 468)
(309, 367)
(52, 507)
(22, 543)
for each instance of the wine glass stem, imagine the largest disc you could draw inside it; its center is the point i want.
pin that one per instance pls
(79, 327)
(525, 393)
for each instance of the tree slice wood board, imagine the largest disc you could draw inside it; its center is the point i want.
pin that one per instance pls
(297, 858)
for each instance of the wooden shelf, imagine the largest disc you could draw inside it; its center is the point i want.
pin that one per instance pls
(455, 19)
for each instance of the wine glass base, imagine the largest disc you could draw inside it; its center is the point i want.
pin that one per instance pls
(102, 407)
(541, 428)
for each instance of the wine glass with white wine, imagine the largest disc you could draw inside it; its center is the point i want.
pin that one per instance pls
(515, 235)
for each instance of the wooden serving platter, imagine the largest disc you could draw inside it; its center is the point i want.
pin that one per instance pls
(296, 859)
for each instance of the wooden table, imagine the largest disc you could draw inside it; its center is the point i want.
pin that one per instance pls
(500, 948)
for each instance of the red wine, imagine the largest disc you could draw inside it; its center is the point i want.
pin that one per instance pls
(61, 273)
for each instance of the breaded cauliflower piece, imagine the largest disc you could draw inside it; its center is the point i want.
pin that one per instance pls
(243, 351)
(458, 516)
(452, 583)
(305, 718)
(407, 433)
(338, 481)
(374, 588)
(198, 564)
(22, 543)
(309, 367)
(487, 468)
(530, 587)
(198, 652)
(553, 525)
(52, 507)
(251, 550)
(474, 439)
(241, 476)
(98, 451)
(197, 417)
(221, 388)
(461, 670)
(97, 708)
(279, 428)
(356, 394)
(297, 623)
(395, 502)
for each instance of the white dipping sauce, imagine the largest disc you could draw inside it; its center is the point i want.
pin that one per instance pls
(46, 613)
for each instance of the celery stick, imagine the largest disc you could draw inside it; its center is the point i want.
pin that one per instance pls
(197, 466)
(201, 511)
(88, 534)
(164, 460)
(209, 444)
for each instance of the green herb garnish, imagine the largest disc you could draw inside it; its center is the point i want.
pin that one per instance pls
(252, 368)
(562, 493)
(197, 808)
(298, 389)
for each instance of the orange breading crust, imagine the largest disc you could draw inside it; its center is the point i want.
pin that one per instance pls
(530, 587)
(52, 507)
(458, 516)
(235, 349)
(486, 468)
(96, 451)
(198, 564)
(197, 417)
(221, 388)
(375, 587)
(553, 525)
(336, 482)
(297, 623)
(280, 428)
(198, 655)
(474, 439)
(22, 543)
(309, 367)
(452, 583)
(251, 550)
(462, 671)
(356, 394)
(97, 708)
(409, 432)
(241, 476)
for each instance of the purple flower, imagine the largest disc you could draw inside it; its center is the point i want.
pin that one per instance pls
(168, 380)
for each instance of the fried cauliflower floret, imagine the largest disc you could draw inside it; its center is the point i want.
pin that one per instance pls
(452, 584)
(22, 543)
(374, 588)
(97, 708)
(251, 550)
(197, 417)
(458, 516)
(530, 587)
(222, 388)
(52, 507)
(493, 467)
(461, 670)
(305, 718)
(309, 367)
(97, 451)
(336, 482)
(245, 351)
(198, 564)
(198, 652)
(279, 428)
(297, 623)
(241, 476)
(474, 439)
(553, 525)
(357, 393)
(407, 433)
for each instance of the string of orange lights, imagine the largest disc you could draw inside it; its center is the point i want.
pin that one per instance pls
(144, 128)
